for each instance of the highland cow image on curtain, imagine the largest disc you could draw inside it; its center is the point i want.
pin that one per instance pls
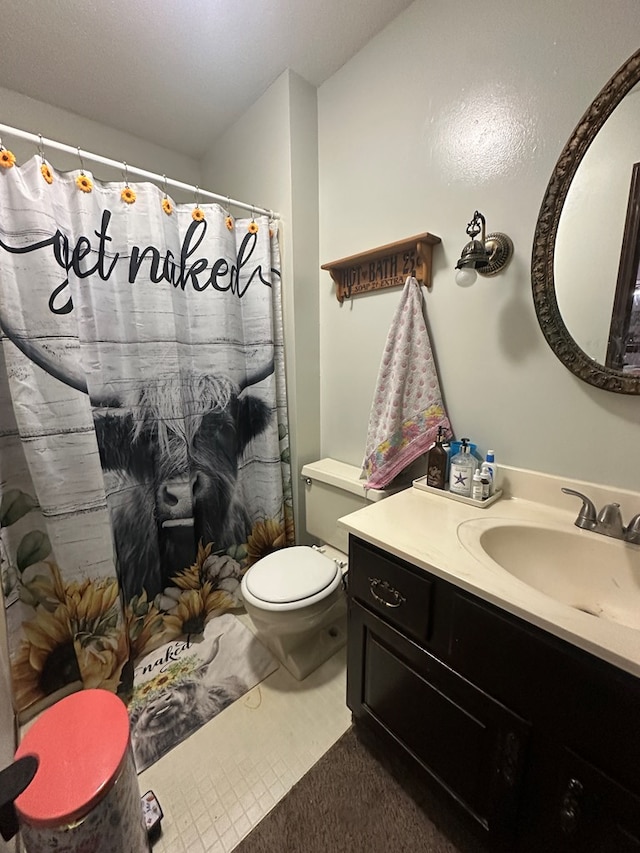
(143, 429)
(171, 462)
(182, 685)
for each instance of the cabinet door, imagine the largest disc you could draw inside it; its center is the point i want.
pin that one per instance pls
(469, 744)
(589, 812)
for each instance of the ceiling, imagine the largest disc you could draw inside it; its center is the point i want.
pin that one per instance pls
(176, 73)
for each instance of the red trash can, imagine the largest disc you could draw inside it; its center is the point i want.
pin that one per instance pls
(84, 797)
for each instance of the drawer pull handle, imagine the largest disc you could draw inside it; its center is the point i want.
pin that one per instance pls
(510, 758)
(383, 592)
(570, 808)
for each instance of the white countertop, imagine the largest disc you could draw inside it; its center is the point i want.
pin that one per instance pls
(422, 528)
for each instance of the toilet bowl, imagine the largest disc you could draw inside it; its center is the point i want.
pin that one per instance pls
(295, 596)
(296, 600)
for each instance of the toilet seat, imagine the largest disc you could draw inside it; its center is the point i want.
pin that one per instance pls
(290, 578)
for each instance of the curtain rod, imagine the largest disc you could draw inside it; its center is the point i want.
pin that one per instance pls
(154, 176)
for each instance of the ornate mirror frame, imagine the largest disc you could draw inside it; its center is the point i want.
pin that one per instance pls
(542, 261)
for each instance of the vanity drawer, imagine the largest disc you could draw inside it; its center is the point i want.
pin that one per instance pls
(398, 592)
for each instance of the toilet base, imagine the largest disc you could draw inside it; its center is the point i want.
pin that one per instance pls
(302, 654)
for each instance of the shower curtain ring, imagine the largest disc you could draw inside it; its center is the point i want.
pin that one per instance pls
(126, 174)
(41, 147)
(81, 161)
(164, 185)
(197, 196)
(228, 220)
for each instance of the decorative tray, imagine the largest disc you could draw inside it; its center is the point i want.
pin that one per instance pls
(421, 483)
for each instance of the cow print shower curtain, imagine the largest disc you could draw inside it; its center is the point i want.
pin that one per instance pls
(143, 426)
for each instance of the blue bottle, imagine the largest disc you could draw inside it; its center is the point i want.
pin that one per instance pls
(490, 465)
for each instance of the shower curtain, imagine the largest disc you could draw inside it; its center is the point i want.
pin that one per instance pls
(143, 423)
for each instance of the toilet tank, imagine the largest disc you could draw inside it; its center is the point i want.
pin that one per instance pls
(334, 489)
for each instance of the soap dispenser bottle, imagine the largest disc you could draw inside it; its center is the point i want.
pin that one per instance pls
(463, 465)
(437, 463)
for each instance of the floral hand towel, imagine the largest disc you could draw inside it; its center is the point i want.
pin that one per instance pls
(407, 407)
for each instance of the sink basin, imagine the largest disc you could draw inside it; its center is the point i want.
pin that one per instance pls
(587, 571)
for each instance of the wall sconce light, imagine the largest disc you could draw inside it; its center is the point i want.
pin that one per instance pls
(488, 255)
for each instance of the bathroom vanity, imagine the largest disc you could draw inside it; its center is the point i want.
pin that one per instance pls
(525, 711)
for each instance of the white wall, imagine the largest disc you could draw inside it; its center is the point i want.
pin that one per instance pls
(34, 116)
(455, 107)
(270, 158)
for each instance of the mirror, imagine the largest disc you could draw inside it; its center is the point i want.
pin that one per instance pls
(582, 272)
(623, 346)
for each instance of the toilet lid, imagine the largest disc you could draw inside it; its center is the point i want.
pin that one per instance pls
(290, 574)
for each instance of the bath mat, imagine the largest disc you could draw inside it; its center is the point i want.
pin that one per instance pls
(182, 685)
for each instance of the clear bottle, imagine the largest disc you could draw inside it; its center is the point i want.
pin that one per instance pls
(463, 465)
(476, 486)
(437, 463)
(493, 471)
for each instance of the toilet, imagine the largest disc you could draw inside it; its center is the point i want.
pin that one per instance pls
(295, 596)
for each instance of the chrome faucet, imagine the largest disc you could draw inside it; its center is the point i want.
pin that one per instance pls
(608, 521)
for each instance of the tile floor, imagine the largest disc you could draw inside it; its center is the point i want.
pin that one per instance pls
(218, 784)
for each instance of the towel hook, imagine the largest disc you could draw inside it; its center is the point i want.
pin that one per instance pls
(347, 292)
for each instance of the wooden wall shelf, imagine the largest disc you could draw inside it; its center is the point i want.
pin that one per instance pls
(386, 266)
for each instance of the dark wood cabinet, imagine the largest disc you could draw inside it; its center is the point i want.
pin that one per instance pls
(468, 743)
(591, 811)
(536, 742)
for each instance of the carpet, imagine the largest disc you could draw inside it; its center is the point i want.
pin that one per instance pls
(182, 685)
(356, 799)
